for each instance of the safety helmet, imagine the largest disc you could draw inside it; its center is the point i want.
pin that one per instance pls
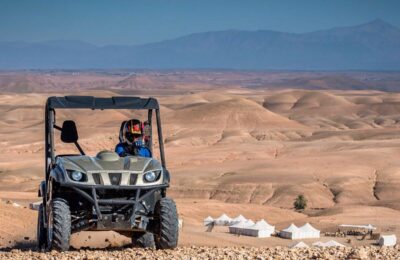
(132, 130)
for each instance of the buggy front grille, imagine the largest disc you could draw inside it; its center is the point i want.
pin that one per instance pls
(97, 178)
(132, 179)
(115, 178)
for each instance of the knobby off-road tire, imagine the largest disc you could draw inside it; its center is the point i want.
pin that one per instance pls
(41, 231)
(61, 225)
(167, 224)
(143, 240)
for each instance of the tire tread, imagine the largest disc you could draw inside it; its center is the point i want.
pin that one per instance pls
(169, 224)
(61, 225)
(41, 231)
(145, 240)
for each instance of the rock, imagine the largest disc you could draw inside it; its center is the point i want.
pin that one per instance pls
(363, 254)
(16, 205)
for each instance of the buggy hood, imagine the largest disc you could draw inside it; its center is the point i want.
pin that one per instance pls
(109, 161)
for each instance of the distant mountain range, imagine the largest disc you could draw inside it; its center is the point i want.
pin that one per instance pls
(371, 46)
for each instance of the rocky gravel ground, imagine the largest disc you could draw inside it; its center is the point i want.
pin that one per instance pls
(197, 252)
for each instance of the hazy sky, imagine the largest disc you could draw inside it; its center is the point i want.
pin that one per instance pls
(135, 22)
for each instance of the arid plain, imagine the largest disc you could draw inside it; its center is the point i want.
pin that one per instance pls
(230, 148)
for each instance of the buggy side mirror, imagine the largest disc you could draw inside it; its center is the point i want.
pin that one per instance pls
(69, 133)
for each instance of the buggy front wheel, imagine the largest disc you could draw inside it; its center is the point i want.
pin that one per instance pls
(59, 225)
(166, 224)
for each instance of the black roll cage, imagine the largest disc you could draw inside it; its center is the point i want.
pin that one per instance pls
(90, 102)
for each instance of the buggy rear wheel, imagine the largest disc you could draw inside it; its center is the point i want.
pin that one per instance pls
(59, 225)
(166, 224)
(41, 231)
(144, 240)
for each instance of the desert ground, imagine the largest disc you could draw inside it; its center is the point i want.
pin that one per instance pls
(230, 149)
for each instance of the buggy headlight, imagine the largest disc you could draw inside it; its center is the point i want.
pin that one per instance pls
(76, 175)
(151, 176)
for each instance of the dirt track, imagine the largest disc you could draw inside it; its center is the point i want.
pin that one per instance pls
(216, 253)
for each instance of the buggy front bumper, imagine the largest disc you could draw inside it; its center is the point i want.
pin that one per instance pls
(89, 192)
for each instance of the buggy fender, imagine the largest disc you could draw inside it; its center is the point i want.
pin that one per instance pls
(42, 189)
(58, 175)
(166, 176)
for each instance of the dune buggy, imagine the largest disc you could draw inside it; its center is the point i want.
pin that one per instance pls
(106, 191)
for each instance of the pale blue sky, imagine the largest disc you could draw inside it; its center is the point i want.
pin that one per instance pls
(134, 22)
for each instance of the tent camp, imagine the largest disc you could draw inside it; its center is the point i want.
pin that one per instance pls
(389, 240)
(223, 220)
(291, 232)
(299, 244)
(238, 228)
(308, 231)
(260, 229)
(208, 220)
(330, 243)
(238, 219)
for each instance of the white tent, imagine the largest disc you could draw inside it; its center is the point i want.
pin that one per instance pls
(208, 220)
(260, 229)
(223, 220)
(291, 232)
(299, 244)
(239, 227)
(367, 227)
(308, 231)
(389, 240)
(238, 219)
(330, 243)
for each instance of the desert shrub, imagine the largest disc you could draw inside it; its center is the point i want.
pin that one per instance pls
(300, 202)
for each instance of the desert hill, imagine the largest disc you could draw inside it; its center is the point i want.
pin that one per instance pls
(238, 129)
(237, 119)
(301, 99)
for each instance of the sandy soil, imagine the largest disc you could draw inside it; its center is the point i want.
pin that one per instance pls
(196, 252)
(234, 151)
